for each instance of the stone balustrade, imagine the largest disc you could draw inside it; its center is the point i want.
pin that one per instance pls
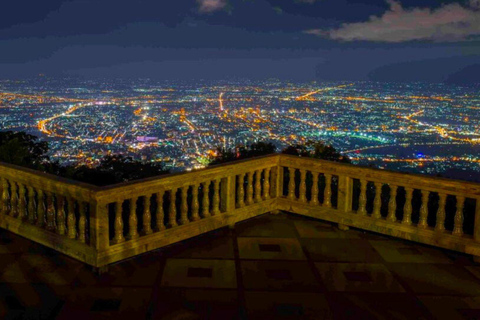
(101, 226)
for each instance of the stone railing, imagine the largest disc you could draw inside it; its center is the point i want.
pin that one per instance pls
(101, 226)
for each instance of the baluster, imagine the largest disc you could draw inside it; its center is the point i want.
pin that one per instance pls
(206, 200)
(118, 223)
(314, 200)
(14, 200)
(195, 204)
(216, 197)
(22, 202)
(423, 222)
(303, 186)
(362, 200)
(50, 212)
(147, 215)
(377, 202)
(40, 209)
(458, 220)
(327, 200)
(258, 186)
(82, 222)
(71, 219)
(440, 223)
(291, 183)
(241, 191)
(61, 215)
(266, 184)
(5, 197)
(31, 205)
(407, 209)
(249, 188)
(172, 209)
(184, 206)
(133, 220)
(159, 214)
(392, 203)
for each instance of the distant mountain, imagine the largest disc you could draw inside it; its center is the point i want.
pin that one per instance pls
(467, 75)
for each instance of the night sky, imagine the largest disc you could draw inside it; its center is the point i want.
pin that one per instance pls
(222, 39)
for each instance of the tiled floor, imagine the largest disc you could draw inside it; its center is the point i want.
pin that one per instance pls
(270, 267)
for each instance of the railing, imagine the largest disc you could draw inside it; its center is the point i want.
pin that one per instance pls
(101, 226)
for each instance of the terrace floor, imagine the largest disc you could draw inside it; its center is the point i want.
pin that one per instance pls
(270, 267)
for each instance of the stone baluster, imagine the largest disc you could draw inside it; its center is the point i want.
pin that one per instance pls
(147, 215)
(195, 204)
(362, 200)
(377, 201)
(327, 200)
(118, 223)
(407, 209)
(40, 209)
(266, 184)
(5, 197)
(440, 223)
(423, 220)
(302, 193)
(184, 206)
(22, 202)
(240, 191)
(31, 205)
(133, 220)
(249, 188)
(392, 203)
(291, 183)
(14, 199)
(172, 210)
(50, 211)
(458, 220)
(216, 197)
(159, 214)
(71, 219)
(82, 222)
(206, 199)
(61, 230)
(314, 200)
(258, 186)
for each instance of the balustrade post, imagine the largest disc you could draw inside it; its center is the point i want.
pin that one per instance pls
(99, 236)
(159, 214)
(31, 205)
(22, 202)
(266, 184)
(132, 220)
(291, 183)
(206, 200)
(440, 223)
(184, 206)
(118, 223)
(327, 200)
(50, 212)
(82, 222)
(61, 230)
(258, 186)
(377, 202)
(40, 209)
(458, 220)
(5, 197)
(216, 197)
(476, 230)
(14, 199)
(362, 200)
(303, 186)
(423, 220)
(392, 204)
(71, 219)
(172, 210)
(249, 187)
(407, 209)
(240, 191)
(195, 203)
(147, 215)
(314, 199)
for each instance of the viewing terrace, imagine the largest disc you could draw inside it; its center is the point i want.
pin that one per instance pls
(299, 265)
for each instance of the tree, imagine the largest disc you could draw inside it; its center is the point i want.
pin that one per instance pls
(254, 150)
(318, 150)
(23, 149)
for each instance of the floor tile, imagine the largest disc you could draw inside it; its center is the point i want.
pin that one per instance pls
(211, 247)
(178, 273)
(320, 229)
(266, 226)
(358, 277)
(270, 248)
(452, 308)
(398, 251)
(341, 250)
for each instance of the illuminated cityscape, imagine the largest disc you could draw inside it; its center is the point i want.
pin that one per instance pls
(416, 127)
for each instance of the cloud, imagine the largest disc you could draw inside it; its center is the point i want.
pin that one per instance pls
(452, 22)
(207, 6)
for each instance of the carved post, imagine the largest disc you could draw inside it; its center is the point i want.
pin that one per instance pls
(216, 197)
(423, 220)
(50, 212)
(14, 200)
(303, 186)
(61, 215)
(392, 204)
(147, 215)
(159, 214)
(206, 199)
(71, 219)
(172, 210)
(249, 187)
(195, 204)
(266, 184)
(314, 200)
(31, 205)
(40, 209)
(407, 209)
(458, 220)
(5, 197)
(362, 200)
(132, 220)
(22, 202)
(258, 186)
(440, 223)
(184, 206)
(118, 223)
(240, 191)
(291, 183)
(82, 223)
(327, 200)
(377, 202)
